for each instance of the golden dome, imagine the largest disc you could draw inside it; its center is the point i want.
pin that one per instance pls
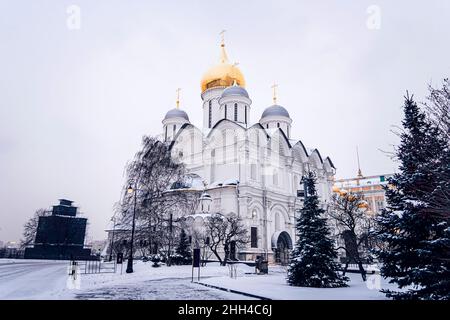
(363, 205)
(336, 189)
(222, 74)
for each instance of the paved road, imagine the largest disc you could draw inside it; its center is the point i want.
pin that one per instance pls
(34, 279)
(31, 279)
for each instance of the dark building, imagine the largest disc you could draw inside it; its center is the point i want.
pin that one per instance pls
(60, 235)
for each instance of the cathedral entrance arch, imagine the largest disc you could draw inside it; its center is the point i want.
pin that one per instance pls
(281, 246)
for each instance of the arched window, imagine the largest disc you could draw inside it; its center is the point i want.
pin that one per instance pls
(277, 221)
(254, 237)
(253, 171)
(235, 112)
(267, 126)
(165, 135)
(254, 216)
(174, 129)
(278, 124)
(245, 114)
(210, 114)
(225, 111)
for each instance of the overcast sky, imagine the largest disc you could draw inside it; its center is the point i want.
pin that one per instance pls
(74, 104)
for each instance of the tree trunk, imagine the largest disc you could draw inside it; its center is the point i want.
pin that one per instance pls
(361, 268)
(217, 256)
(226, 249)
(345, 268)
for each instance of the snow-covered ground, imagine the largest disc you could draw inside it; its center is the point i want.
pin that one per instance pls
(32, 279)
(274, 286)
(44, 279)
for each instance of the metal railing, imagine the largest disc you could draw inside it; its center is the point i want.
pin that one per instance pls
(94, 266)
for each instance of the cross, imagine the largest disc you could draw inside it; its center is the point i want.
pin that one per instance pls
(274, 87)
(222, 34)
(178, 97)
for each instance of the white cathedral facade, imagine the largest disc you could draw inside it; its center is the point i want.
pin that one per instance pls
(251, 169)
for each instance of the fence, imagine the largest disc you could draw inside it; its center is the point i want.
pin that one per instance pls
(95, 266)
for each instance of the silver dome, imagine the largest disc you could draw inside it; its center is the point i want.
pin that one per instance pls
(235, 91)
(176, 113)
(275, 110)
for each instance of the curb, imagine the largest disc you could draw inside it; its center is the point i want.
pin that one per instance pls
(233, 291)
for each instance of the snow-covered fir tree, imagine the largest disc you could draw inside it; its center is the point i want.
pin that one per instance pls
(183, 249)
(416, 238)
(313, 258)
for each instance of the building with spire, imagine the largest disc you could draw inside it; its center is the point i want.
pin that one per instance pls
(370, 187)
(251, 169)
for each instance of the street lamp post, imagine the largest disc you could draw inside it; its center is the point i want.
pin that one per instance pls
(130, 257)
(112, 238)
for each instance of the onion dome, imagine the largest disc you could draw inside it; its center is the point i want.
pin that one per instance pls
(176, 113)
(235, 90)
(222, 74)
(275, 110)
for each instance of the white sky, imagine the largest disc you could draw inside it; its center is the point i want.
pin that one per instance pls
(74, 104)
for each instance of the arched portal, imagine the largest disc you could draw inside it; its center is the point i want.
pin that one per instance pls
(281, 246)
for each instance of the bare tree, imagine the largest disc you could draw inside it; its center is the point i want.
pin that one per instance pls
(438, 111)
(235, 232)
(438, 108)
(30, 228)
(222, 230)
(354, 226)
(215, 228)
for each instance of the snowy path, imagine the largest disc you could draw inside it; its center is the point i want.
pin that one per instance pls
(159, 289)
(30, 279)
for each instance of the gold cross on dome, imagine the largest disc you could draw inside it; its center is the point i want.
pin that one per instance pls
(222, 34)
(178, 97)
(274, 87)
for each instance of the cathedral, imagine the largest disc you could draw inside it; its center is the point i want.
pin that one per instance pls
(251, 169)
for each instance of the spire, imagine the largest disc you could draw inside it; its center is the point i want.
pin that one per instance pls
(359, 166)
(274, 97)
(178, 98)
(223, 53)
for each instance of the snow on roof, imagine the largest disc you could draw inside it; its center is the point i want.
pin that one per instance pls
(228, 182)
(190, 182)
(201, 215)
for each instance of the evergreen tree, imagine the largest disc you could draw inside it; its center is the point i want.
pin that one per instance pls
(312, 260)
(183, 249)
(416, 239)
